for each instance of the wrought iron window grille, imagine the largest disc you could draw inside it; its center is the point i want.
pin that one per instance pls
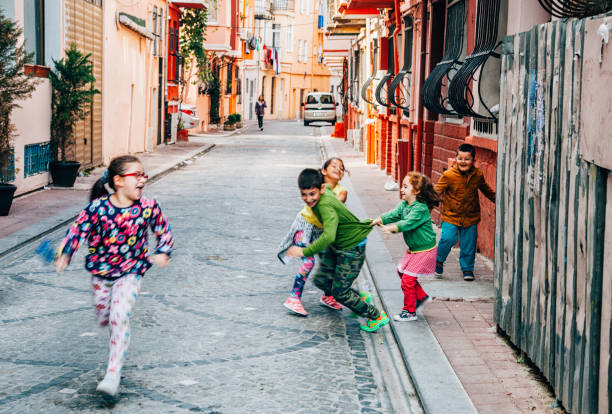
(460, 94)
(400, 86)
(382, 89)
(354, 88)
(440, 77)
(36, 158)
(368, 82)
(576, 8)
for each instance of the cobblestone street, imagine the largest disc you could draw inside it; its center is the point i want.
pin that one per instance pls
(210, 333)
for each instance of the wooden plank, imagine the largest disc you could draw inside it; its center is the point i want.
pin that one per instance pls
(551, 207)
(595, 249)
(564, 139)
(519, 195)
(605, 362)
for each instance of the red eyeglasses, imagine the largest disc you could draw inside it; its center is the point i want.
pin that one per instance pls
(135, 174)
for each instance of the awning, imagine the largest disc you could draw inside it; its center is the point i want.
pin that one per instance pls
(135, 24)
(367, 8)
(190, 4)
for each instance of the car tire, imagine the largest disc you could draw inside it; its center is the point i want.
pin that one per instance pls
(306, 123)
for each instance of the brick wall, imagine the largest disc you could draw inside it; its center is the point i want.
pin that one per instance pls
(446, 139)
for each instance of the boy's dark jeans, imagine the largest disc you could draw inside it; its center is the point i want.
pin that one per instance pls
(335, 275)
(260, 120)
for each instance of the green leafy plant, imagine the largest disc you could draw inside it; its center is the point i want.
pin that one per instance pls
(15, 86)
(193, 37)
(72, 92)
(231, 120)
(214, 91)
(238, 117)
(180, 125)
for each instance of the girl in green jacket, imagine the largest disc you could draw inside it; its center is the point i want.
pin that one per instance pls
(412, 218)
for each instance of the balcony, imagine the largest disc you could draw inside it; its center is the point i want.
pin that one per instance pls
(283, 6)
(262, 10)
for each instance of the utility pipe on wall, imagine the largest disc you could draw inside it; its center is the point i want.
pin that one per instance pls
(420, 108)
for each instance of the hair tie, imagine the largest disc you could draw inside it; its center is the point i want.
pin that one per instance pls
(104, 178)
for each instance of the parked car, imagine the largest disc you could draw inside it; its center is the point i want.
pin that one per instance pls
(189, 116)
(319, 106)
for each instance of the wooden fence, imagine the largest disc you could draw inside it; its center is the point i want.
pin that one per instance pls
(553, 275)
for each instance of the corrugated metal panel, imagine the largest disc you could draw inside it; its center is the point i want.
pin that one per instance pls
(84, 27)
(550, 217)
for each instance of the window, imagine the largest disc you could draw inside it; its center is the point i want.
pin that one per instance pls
(276, 35)
(267, 34)
(213, 11)
(300, 50)
(306, 52)
(156, 25)
(34, 29)
(229, 79)
(289, 38)
(36, 159)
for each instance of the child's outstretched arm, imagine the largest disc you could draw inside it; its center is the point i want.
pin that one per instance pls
(487, 190)
(165, 243)
(75, 236)
(441, 185)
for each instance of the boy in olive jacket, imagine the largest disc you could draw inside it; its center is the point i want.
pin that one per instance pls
(458, 188)
(342, 247)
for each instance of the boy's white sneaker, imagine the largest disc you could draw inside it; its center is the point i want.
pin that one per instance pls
(110, 384)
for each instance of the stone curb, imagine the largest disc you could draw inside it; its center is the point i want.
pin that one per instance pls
(36, 231)
(437, 385)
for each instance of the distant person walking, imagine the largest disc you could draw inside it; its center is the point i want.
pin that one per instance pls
(260, 106)
(116, 228)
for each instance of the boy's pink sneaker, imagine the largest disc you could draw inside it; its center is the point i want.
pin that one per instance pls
(294, 304)
(330, 302)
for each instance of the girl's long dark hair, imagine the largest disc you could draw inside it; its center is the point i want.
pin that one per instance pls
(116, 167)
(427, 194)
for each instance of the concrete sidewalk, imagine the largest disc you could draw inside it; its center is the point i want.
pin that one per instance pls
(457, 361)
(35, 214)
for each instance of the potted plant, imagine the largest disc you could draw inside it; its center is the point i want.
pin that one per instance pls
(182, 134)
(15, 85)
(238, 118)
(72, 93)
(230, 123)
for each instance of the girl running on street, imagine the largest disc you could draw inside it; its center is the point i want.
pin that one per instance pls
(412, 218)
(116, 227)
(306, 228)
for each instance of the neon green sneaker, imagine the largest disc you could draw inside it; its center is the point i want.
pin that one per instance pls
(366, 297)
(375, 324)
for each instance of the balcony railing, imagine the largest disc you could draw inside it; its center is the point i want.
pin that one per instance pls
(262, 10)
(283, 5)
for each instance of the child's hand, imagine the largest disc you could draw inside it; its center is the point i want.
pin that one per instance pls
(60, 263)
(161, 259)
(294, 251)
(389, 229)
(376, 222)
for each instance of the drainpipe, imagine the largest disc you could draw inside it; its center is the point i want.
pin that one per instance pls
(398, 25)
(420, 108)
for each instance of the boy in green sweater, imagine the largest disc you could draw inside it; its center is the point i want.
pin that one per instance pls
(342, 246)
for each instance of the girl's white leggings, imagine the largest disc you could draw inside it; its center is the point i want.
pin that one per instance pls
(114, 300)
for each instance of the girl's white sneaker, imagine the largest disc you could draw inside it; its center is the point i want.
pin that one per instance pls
(405, 316)
(110, 384)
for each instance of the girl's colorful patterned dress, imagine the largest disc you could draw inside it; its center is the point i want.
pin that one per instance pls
(117, 259)
(117, 237)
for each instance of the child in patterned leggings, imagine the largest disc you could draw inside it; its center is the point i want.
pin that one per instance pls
(115, 227)
(306, 229)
